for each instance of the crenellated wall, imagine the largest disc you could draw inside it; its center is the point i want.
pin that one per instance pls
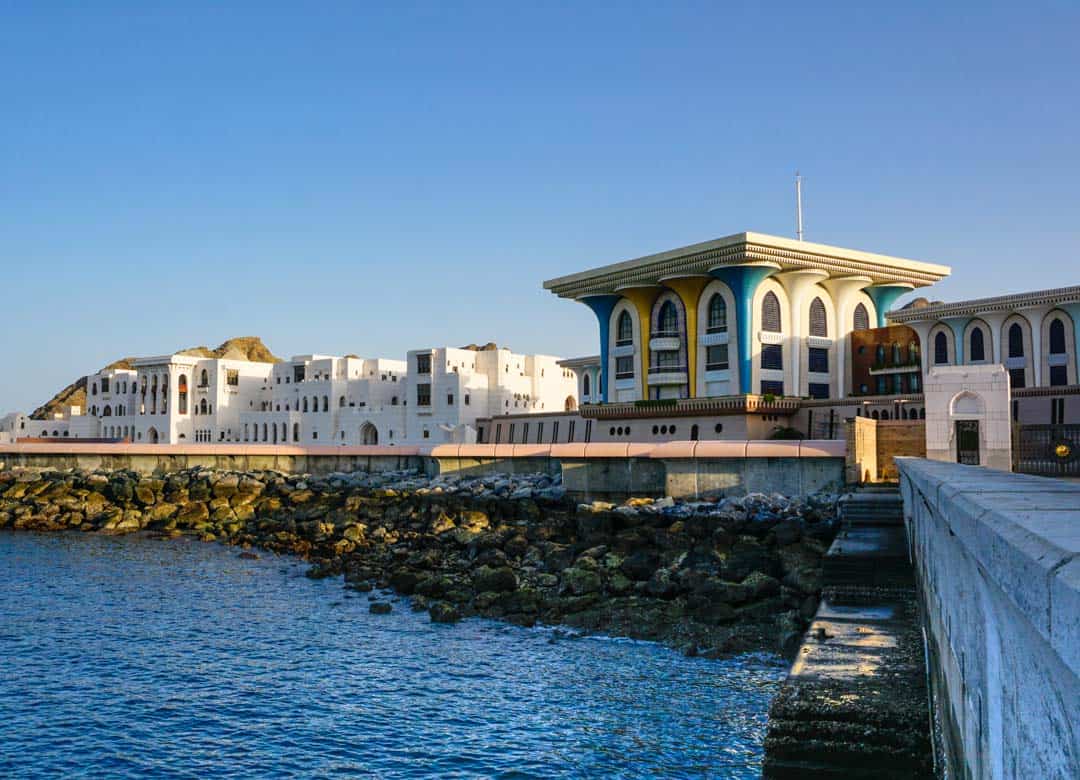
(997, 559)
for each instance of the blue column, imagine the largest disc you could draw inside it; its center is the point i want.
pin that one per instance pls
(884, 296)
(957, 325)
(602, 306)
(743, 281)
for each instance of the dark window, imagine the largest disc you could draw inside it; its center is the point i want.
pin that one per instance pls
(861, 320)
(770, 313)
(1016, 377)
(498, 432)
(667, 359)
(510, 437)
(1058, 376)
(539, 433)
(423, 395)
(772, 356)
(818, 321)
(104, 384)
(466, 399)
(717, 314)
(819, 390)
(941, 349)
(449, 399)
(1016, 341)
(1057, 337)
(818, 361)
(624, 330)
(977, 348)
(480, 435)
(554, 431)
(716, 357)
(299, 372)
(771, 388)
(423, 364)
(668, 322)
(624, 367)
(913, 382)
(232, 377)
(882, 385)
(585, 385)
(570, 431)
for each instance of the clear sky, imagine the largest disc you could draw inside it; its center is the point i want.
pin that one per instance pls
(370, 178)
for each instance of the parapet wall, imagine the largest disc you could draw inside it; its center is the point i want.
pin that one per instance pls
(997, 556)
(602, 470)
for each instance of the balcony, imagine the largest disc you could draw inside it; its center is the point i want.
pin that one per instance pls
(895, 367)
(693, 407)
(665, 342)
(667, 375)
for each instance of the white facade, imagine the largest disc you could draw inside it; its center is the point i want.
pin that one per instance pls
(433, 397)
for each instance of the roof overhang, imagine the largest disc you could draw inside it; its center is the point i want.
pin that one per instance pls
(976, 306)
(741, 249)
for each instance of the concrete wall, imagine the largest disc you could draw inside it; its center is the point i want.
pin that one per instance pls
(861, 463)
(997, 557)
(685, 469)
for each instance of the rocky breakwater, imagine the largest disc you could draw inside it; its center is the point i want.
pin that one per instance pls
(712, 577)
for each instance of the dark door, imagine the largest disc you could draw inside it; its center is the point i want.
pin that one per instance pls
(967, 442)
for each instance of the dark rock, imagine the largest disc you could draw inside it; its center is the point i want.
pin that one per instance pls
(497, 579)
(441, 612)
(380, 608)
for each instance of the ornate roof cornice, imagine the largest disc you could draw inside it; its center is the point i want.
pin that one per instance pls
(972, 308)
(741, 249)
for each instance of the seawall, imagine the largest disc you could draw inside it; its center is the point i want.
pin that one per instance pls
(997, 560)
(589, 471)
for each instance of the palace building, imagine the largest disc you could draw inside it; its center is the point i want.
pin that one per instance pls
(745, 314)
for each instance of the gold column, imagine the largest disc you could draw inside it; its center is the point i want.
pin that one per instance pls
(689, 288)
(643, 299)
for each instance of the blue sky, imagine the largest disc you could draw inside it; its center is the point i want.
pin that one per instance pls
(369, 178)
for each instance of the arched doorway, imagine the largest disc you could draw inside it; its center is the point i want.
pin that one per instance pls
(570, 404)
(369, 434)
(152, 435)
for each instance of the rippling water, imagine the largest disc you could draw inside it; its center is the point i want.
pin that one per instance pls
(129, 657)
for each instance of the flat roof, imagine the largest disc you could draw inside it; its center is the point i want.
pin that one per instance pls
(935, 311)
(742, 248)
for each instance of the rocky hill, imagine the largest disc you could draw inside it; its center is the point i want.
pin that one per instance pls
(239, 348)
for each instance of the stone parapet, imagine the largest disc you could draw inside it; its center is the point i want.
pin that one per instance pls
(997, 559)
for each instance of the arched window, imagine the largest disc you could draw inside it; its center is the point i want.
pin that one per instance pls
(819, 325)
(895, 354)
(305, 403)
(341, 402)
(1016, 340)
(182, 393)
(325, 404)
(770, 313)
(585, 385)
(861, 320)
(668, 321)
(913, 351)
(879, 355)
(977, 349)
(203, 406)
(717, 314)
(93, 389)
(296, 431)
(107, 411)
(624, 330)
(941, 349)
(204, 379)
(1057, 337)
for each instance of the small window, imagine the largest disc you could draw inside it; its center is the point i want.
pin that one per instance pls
(819, 325)
(449, 399)
(771, 387)
(624, 330)
(624, 367)
(1017, 377)
(977, 351)
(1058, 376)
(423, 364)
(770, 313)
(716, 357)
(861, 320)
(818, 360)
(772, 357)
(819, 390)
(1016, 340)
(423, 395)
(466, 399)
(941, 349)
(427, 434)
(232, 377)
(1057, 338)
(717, 322)
(718, 428)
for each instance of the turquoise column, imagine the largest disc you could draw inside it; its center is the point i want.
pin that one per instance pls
(602, 306)
(957, 325)
(884, 296)
(743, 281)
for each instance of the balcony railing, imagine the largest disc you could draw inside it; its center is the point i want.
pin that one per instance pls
(664, 334)
(667, 369)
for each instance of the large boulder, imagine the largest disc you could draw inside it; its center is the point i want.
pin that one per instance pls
(580, 582)
(441, 612)
(498, 579)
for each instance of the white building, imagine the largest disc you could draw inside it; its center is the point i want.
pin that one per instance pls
(435, 396)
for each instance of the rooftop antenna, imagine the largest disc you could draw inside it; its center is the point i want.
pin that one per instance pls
(798, 206)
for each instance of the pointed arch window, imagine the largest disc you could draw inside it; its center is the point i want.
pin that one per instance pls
(941, 349)
(182, 394)
(977, 347)
(1016, 340)
(624, 330)
(204, 379)
(1057, 337)
(667, 323)
(861, 320)
(717, 322)
(770, 313)
(819, 324)
(585, 385)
